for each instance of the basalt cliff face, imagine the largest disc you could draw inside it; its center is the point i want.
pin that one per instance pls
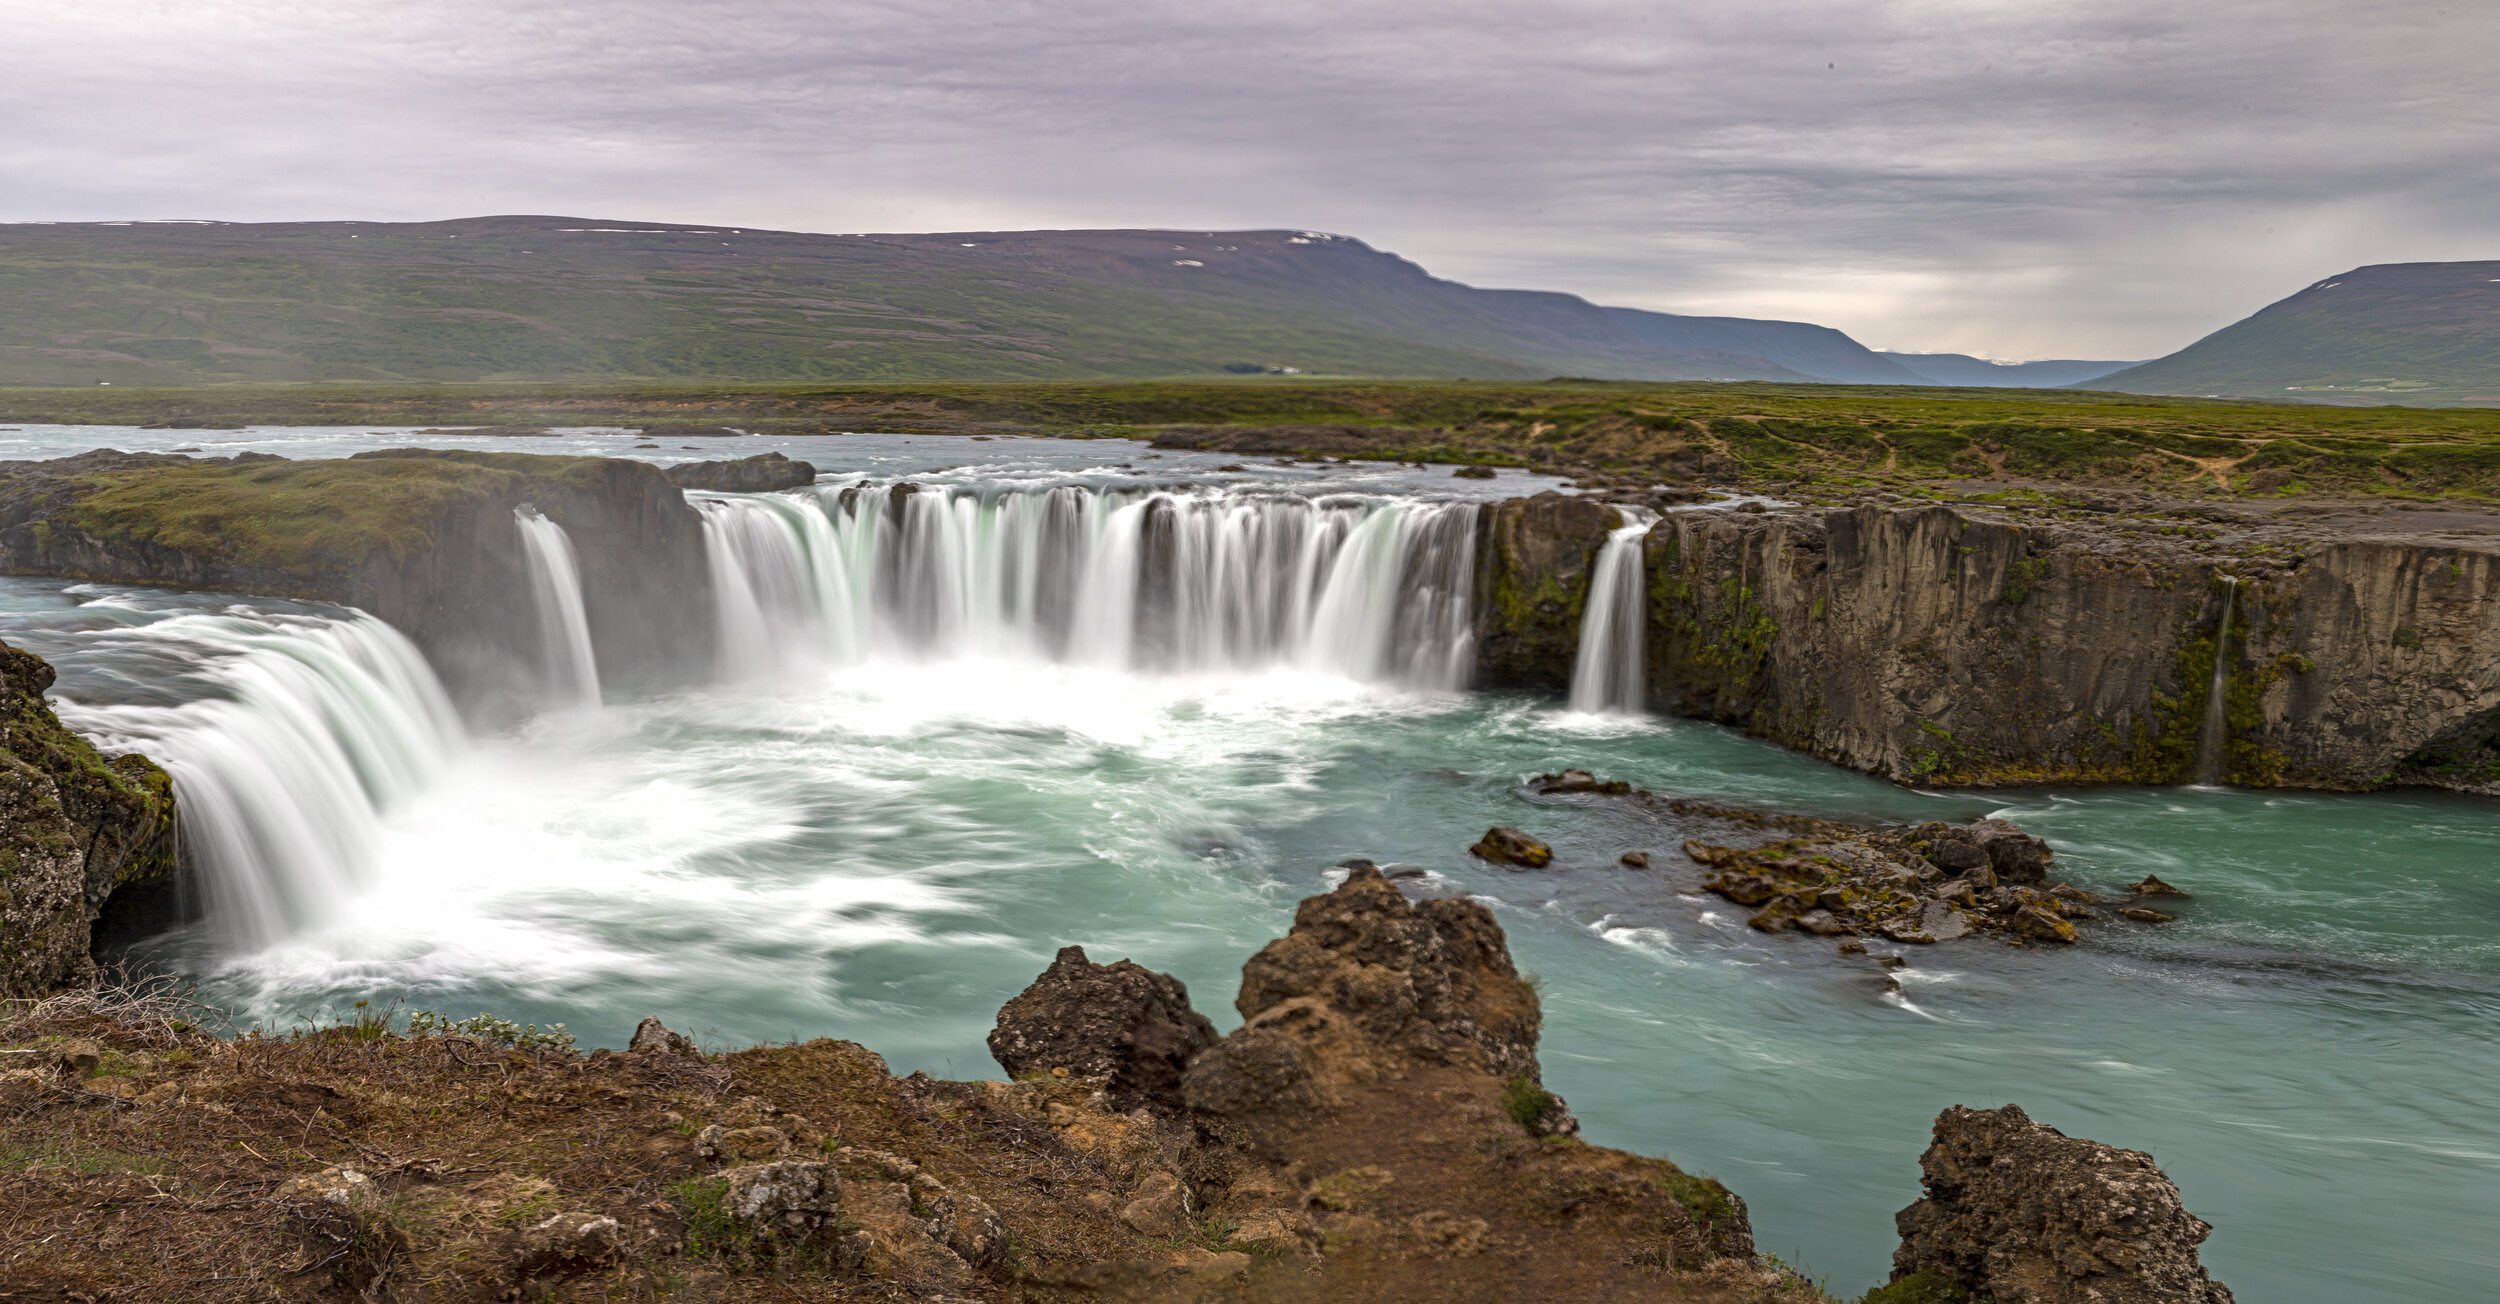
(75, 828)
(1983, 644)
(423, 539)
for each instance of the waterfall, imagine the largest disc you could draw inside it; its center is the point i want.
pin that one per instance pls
(1370, 588)
(566, 662)
(2217, 729)
(1607, 674)
(309, 730)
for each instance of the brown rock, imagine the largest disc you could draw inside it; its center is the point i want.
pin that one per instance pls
(1121, 1024)
(2144, 916)
(762, 473)
(2153, 886)
(1636, 859)
(2021, 1213)
(1508, 846)
(1159, 1206)
(1365, 981)
(651, 1037)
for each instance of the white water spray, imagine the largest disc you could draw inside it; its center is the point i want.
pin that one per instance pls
(2211, 739)
(312, 729)
(566, 661)
(1607, 674)
(1371, 589)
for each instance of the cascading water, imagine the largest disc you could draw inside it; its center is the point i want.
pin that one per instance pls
(305, 730)
(567, 663)
(1606, 675)
(2217, 728)
(1372, 589)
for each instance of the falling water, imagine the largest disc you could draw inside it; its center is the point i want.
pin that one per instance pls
(307, 730)
(2209, 741)
(1606, 676)
(1372, 589)
(568, 666)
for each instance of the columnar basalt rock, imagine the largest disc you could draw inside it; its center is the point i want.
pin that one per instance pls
(1533, 559)
(75, 828)
(2020, 1213)
(1952, 646)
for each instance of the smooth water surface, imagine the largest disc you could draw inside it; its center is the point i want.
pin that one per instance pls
(888, 848)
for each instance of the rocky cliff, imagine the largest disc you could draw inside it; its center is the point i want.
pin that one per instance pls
(2044, 638)
(1533, 557)
(424, 539)
(75, 828)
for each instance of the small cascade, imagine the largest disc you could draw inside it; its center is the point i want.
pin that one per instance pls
(1607, 674)
(567, 664)
(310, 729)
(1373, 589)
(2216, 732)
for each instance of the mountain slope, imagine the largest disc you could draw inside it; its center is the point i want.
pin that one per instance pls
(1978, 373)
(2396, 332)
(555, 298)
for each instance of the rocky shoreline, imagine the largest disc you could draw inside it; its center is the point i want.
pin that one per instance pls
(1374, 1130)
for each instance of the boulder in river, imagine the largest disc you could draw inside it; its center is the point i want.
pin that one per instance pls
(760, 474)
(1505, 845)
(2021, 1213)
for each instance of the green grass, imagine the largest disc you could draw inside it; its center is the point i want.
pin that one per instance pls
(1845, 435)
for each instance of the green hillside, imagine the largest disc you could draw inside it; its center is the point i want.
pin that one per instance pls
(2415, 333)
(556, 299)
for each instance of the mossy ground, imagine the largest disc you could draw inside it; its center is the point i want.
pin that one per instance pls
(308, 520)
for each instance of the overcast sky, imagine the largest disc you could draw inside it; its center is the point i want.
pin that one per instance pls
(2015, 178)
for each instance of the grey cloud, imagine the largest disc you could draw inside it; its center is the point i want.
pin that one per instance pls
(1997, 176)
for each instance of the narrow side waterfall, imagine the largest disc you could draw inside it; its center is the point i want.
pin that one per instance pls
(1607, 674)
(1373, 589)
(567, 664)
(2217, 729)
(306, 732)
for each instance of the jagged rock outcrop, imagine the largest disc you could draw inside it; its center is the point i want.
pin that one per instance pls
(75, 828)
(1533, 557)
(422, 538)
(1120, 1024)
(2020, 1213)
(760, 474)
(1365, 983)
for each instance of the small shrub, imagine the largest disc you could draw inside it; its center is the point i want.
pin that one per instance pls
(490, 1030)
(1525, 1102)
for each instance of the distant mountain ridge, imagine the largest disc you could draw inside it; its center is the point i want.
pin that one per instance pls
(2388, 333)
(1965, 370)
(560, 298)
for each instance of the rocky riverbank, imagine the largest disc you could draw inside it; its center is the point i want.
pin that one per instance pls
(1374, 1131)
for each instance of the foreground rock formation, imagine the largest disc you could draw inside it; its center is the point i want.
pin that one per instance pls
(1375, 1131)
(76, 828)
(2020, 1213)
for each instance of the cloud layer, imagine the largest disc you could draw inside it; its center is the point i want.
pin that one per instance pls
(2007, 177)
